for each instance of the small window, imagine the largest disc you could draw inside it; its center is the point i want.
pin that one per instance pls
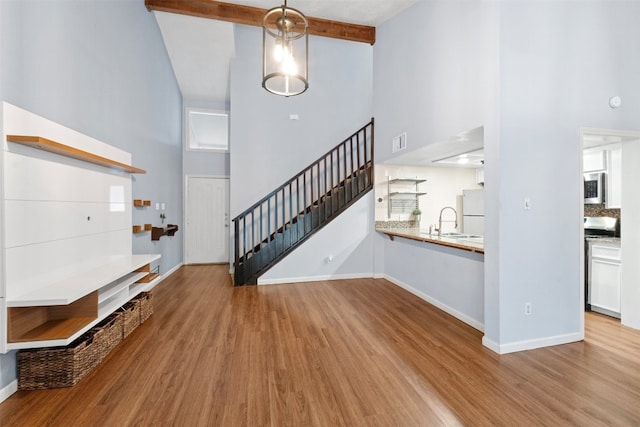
(207, 130)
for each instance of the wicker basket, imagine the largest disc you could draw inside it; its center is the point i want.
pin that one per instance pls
(146, 305)
(54, 367)
(108, 333)
(131, 315)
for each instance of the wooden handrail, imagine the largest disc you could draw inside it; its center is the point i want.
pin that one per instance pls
(68, 151)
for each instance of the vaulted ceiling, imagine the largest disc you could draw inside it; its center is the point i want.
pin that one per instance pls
(198, 34)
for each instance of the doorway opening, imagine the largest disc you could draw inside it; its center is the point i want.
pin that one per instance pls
(610, 274)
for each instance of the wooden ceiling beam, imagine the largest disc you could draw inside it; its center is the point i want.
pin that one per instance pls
(248, 15)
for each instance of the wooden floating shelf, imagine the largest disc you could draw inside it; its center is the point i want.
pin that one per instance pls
(68, 151)
(40, 323)
(149, 278)
(142, 228)
(169, 230)
(139, 203)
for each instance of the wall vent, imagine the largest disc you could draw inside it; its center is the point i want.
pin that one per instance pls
(399, 142)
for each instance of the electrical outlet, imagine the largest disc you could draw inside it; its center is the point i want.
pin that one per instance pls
(527, 308)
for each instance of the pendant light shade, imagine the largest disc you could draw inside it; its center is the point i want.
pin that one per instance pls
(285, 45)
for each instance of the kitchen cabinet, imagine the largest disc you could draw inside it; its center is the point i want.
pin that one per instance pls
(480, 176)
(613, 195)
(606, 159)
(604, 277)
(594, 160)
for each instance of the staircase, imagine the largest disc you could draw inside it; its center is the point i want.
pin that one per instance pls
(274, 226)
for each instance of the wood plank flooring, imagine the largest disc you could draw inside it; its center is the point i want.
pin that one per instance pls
(340, 353)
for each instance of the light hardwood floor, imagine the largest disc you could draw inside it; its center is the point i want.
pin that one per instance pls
(341, 353)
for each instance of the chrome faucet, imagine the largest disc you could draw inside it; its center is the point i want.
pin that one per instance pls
(455, 221)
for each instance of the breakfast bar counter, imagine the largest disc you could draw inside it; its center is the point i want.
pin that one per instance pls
(473, 244)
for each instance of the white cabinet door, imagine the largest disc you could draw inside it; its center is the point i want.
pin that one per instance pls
(605, 285)
(594, 160)
(613, 195)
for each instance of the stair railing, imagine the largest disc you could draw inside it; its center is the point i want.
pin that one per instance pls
(272, 227)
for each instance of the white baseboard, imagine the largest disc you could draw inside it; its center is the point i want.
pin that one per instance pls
(314, 278)
(531, 344)
(452, 311)
(378, 275)
(167, 274)
(173, 270)
(491, 345)
(8, 390)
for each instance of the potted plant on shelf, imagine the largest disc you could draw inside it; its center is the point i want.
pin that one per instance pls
(416, 214)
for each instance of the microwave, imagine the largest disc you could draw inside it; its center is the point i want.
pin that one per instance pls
(594, 188)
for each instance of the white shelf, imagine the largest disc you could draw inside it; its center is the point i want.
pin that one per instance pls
(66, 291)
(107, 307)
(119, 285)
(143, 287)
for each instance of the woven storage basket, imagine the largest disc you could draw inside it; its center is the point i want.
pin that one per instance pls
(146, 305)
(108, 334)
(54, 367)
(131, 315)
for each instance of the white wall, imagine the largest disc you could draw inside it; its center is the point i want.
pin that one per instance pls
(341, 250)
(267, 148)
(630, 268)
(204, 162)
(436, 74)
(560, 63)
(100, 68)
(449, 278)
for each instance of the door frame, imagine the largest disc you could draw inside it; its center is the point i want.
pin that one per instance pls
(184, 205)
(625, 135)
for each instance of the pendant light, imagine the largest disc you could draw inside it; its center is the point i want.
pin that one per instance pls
(285, 44)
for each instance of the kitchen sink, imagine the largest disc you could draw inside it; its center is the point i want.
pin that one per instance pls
(460, 236)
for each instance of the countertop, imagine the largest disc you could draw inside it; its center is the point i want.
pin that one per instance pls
(475, 245)
(610, 240)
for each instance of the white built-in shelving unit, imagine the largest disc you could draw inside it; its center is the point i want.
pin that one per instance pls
(65, 228)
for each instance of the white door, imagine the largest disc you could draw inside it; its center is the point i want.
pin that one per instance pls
(207, 220)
